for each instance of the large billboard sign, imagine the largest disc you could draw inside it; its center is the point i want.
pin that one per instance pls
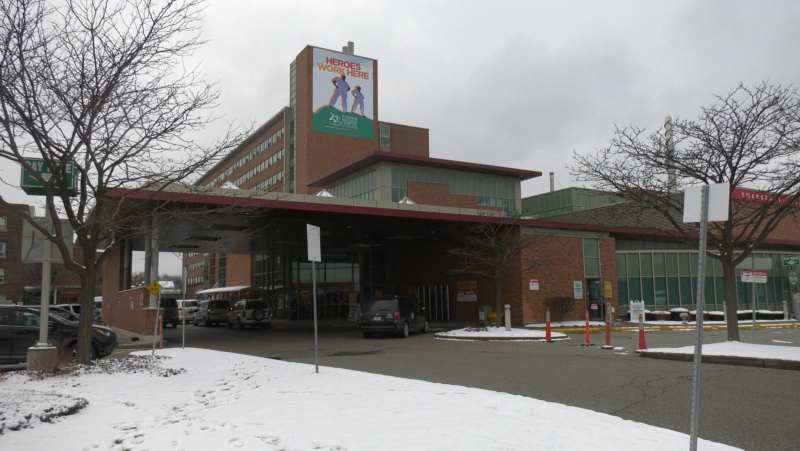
(343, 94)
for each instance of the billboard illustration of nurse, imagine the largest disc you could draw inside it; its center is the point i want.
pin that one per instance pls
(343, 94)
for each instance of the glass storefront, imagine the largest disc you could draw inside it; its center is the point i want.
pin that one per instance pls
(666, 280)
(342, 278)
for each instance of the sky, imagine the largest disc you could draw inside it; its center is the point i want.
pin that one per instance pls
(177, 400)
(521, 84)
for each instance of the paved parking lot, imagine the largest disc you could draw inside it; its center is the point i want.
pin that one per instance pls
(751, 408)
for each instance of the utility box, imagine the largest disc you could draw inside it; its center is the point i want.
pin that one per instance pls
(483, 314)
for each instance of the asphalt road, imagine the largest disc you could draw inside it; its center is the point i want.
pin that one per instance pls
(750, 408)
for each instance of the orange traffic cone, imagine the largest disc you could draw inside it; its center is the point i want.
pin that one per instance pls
(642, 343)
(588, 339)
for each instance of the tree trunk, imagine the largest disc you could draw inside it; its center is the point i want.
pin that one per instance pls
(731, 302)
(497, 297)
(86, 316)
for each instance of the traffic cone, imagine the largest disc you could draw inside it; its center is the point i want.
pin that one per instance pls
(588, 339)
(642, 343)
(547, 337)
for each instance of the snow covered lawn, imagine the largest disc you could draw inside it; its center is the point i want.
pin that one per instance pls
(192, 399)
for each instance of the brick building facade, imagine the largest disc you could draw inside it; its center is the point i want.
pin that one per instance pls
(388, 216)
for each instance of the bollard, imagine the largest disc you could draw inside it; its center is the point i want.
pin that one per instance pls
(642, 343)
(547, 336)
(785, 311)
(608, 332)
(588, 339)
(507, 317)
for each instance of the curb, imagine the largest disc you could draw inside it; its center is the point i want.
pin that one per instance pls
(755, 362)
(657, 328)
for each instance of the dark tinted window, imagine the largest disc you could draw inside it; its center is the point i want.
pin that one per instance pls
(218, 304)
(381, 305)
(256, 304)
(6, 317)
(168, 303)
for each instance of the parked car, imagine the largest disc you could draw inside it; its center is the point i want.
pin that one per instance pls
(170, 313)
(74, 308)
(211, 312)
(19, 330)
(393, 315)
(66, 313)
(187, 309)
(249, 312)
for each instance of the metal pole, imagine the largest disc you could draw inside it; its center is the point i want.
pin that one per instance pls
(755, 298)
(155, 327)
(314, 300)
(183, 307)
(698, 346)
(46, 272)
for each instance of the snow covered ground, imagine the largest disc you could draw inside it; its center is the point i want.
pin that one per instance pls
(192, 399)
(498, 333)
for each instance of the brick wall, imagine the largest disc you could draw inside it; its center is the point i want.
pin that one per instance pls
(560, 263)
(16, 274)
(408, 140)
(239, 270)
(437, 194)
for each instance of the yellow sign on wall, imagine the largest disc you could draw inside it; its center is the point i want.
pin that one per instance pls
(467, 285)
(607, 293)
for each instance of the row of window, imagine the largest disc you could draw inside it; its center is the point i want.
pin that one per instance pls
(194, 280)
(275, 179)
(2, 250)
(2, 275)
(274, 158)
(665, 280)
(194, 266)
(247, 158)
(3, 223)
(361, 187)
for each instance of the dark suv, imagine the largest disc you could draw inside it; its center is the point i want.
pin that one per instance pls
(249, 312)
(169, 314)
(19, 330)
(394, 315)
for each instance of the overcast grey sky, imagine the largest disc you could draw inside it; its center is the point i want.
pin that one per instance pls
(510, 83)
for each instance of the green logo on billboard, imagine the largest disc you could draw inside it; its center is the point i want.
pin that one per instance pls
(332, 120)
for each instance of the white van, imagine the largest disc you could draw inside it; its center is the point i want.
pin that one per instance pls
(187, 309)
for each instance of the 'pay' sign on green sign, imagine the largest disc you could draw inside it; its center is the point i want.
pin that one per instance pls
(34, 187)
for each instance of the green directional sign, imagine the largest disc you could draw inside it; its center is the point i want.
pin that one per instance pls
(34, 187)
(791, 260)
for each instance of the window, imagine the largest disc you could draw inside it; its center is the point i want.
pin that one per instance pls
(3, 223)
(2, 250)
(2, 276)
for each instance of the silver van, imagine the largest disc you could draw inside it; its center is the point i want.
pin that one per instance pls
(212, 312)
(187, 309)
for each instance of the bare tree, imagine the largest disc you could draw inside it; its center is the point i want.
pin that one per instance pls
(102, 85)
(749, 139)
(493, 249)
